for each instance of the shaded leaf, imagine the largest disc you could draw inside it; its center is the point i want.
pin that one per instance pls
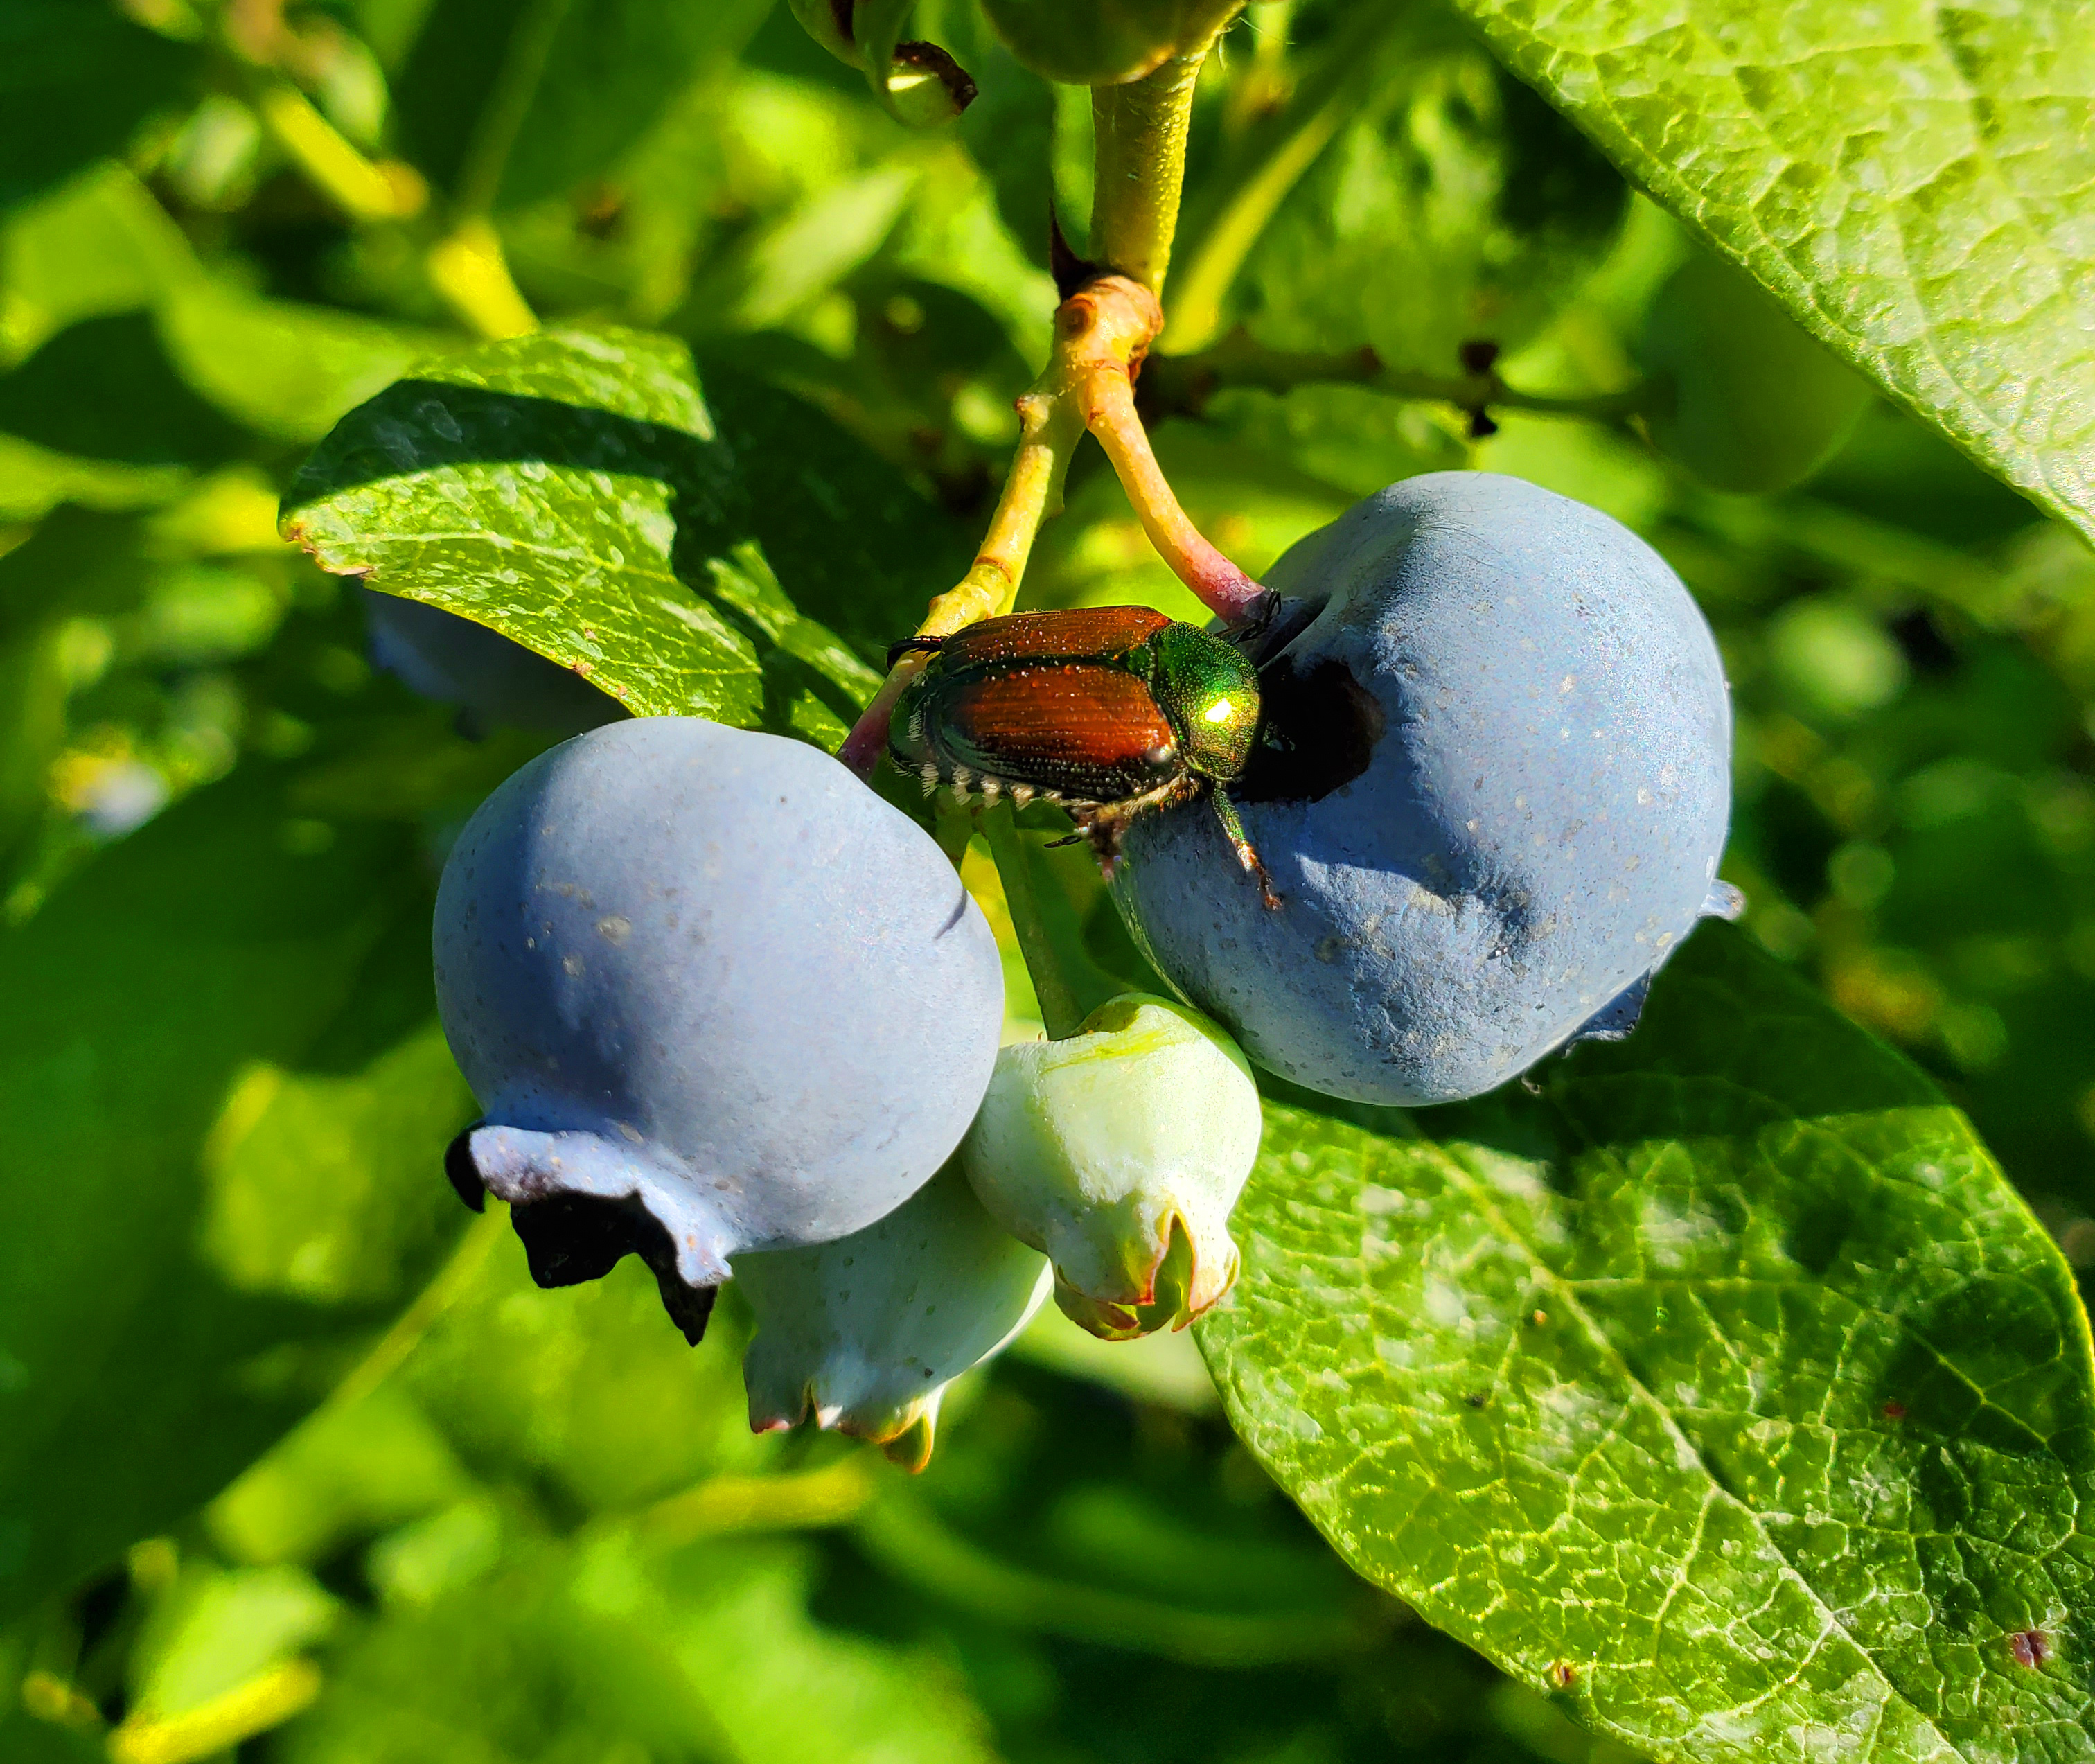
(137, 1371)
(320, 1183)
(76, 77)
(507, 104)
(104, 389)
(573, 491)
(1913, 183)
(350, 1468)
(1453, 207)
(1724, 1387)
(606, 1651)
(589, 1388)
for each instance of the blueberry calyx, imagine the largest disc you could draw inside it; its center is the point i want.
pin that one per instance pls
(571, 1238)
(463, 1173)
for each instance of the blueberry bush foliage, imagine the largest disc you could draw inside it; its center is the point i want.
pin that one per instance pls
(1722, 1393)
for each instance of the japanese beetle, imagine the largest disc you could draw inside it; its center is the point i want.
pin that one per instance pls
(1108, 710)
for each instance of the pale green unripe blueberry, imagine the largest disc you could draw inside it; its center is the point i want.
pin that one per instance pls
(1119, 1152)
(864, 1333)
(1104, 42)
(1748, 401)
(917, 84)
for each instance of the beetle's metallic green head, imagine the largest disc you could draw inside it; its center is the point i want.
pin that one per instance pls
(1208, 694)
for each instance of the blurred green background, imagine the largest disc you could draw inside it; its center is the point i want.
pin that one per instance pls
(528, 1525)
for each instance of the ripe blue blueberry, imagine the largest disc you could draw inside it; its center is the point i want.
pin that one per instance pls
(1493, 793)
(713, 995)
(493, 681)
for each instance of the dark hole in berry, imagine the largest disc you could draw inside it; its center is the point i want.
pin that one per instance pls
(1478, 356)
(463, 1174)
(568, 1238)
(2030, 1647)
(1321, 726)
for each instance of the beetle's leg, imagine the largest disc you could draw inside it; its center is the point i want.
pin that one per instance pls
(1225, 812)
(911, 646)
(1245, 633)
(1100, 828)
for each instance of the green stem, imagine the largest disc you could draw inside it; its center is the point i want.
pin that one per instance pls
(363, 191)
(1322, 106)
(501, 119)
(1183, 384)
(1139, 166)
(393, 1347)
(1592, 406)
(790, 1501)
(904, 1536)
(1060, 1010)
(1258, 84)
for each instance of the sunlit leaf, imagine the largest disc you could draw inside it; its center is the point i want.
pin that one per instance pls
(1723, 1387)
(573, 490)
(1913, 182)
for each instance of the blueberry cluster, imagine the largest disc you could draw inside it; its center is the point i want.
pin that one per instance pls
(727, 1009)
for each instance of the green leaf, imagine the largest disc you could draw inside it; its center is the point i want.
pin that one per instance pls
(34, 480)
(589, 1389)
(320, 1183)
(1453, 207)
(606, 1651)
(505, 104)
(147, 1349)
(97, 245)
(573, 491)
(349, 1469)
(76, 77)
(216, 1630)
(1912, 182)
(1723, 1388)
(284, 370)
(104, 389)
